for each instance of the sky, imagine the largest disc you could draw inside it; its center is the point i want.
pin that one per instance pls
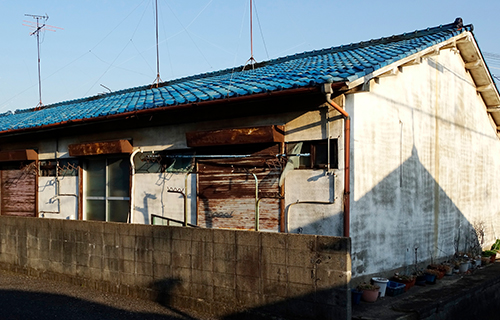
(109, 45)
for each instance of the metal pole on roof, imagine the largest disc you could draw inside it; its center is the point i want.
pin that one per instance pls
(37, 29)
(251, 61)
(158, 79)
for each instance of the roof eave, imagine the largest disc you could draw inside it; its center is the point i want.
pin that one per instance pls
(125, 115)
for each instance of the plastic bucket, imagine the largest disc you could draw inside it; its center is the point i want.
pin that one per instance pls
(382, 283)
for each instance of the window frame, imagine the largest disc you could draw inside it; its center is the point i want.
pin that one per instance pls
(312, 147)
(106, 197)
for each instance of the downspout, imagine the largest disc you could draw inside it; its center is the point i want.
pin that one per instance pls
(328, 90)
(257, 201)
(132, 183)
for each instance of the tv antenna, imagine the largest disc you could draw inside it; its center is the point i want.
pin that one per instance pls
(251, 61)
(157, 81)
(38, 27)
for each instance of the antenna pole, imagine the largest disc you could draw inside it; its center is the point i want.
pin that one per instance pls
(158, 79)
(251, 30)
(40, 104)
(37, 33)
(251, 61)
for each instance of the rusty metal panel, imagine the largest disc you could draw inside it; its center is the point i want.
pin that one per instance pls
(226, 197)
(97, 148)
(18, 155)
(264, 134)
(18, 191)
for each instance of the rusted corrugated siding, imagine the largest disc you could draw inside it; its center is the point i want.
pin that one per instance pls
(263, 134)
(18, 192)
(97, 148)
(226, 194)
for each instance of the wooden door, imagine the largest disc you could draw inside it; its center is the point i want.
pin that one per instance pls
(18, 189)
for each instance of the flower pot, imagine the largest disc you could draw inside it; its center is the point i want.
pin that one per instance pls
(420, 281)
(485, 261)
(408, 283)
(493, 258)
(356, 296)
(464, 266)
(370, 295)
(478, 262)
(430, 278)
(382, 283)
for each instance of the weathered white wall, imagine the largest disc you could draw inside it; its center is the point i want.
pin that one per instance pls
(425, 166)
(50, 205)
(152, 197)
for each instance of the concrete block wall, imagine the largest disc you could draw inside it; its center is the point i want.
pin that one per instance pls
(224, 273)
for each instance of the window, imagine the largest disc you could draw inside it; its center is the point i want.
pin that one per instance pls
(107, 189)
(314, 154)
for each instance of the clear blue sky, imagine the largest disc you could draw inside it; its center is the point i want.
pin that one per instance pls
(112, 42)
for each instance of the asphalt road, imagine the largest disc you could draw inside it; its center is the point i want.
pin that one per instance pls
(24, 297)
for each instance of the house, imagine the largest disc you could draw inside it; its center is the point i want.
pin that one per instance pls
(392, 142)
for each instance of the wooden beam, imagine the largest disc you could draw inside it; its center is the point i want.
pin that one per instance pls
(493, 109)
(97, 148)
(264, 134)
(473, 65)
(484, 88)
(435, 52)
(417, 60)
(391, 73)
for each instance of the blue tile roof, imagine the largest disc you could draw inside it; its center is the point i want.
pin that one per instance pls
(337, 64)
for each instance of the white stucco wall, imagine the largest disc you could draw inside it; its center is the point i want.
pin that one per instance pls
(64, 206)
(152, 197)
(424, 166)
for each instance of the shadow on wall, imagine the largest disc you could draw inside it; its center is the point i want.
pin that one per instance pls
(408, 218)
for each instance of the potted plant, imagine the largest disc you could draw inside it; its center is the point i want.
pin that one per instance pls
(370, 292)
(356, 295)
(491, 254)
(420, 278)
(408, 281)
(431, 275)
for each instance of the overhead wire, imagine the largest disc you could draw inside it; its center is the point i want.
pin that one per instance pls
(237, 50)
(76, 59)
(132, 37)
(188, 33)
(260, 28)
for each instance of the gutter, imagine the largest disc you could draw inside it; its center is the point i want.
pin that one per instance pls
(328, 90)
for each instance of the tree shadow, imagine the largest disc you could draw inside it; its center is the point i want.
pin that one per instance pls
(408, 219)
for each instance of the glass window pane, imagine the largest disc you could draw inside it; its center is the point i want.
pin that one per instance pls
(95, 210)
(119, 177)
(118, 210)
(305, 161)
(321, 155)
(96, 178)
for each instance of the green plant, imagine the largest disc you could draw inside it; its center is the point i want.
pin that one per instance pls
(496, 246)
(366, 286)
(488, 253)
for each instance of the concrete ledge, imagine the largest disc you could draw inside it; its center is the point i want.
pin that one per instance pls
(470, 296)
